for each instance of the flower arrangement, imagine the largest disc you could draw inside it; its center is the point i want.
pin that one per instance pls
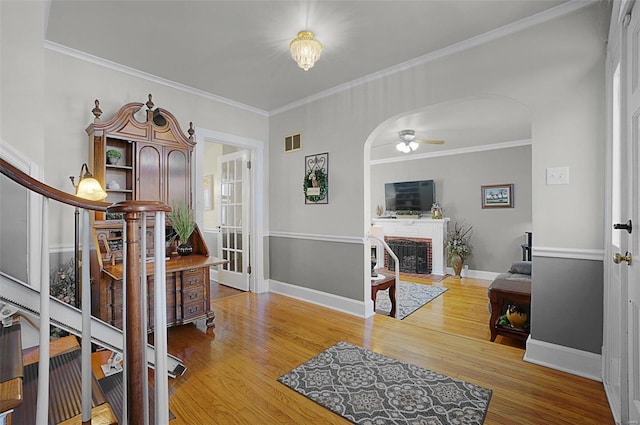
(458, 241)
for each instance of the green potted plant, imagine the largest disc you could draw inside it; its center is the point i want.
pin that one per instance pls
(183, 224)
(113, 156)
(458, 246)
(408, 214)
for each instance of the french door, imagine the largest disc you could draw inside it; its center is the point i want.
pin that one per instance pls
(234, 236)
(621, 342)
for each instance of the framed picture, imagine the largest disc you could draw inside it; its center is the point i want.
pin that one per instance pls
(207, 192)
(497, 196)
(316, 179)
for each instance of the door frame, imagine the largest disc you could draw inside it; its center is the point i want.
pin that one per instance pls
(259, 192)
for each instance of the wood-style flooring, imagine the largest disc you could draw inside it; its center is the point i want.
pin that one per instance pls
(233, 369)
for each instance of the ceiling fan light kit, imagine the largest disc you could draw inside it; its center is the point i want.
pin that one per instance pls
(408, 142)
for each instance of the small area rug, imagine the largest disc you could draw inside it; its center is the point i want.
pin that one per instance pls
(368, 388)
(409, 297)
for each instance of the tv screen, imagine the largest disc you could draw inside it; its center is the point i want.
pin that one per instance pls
(417, 195)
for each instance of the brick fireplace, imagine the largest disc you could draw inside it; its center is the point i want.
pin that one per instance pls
(422, 231)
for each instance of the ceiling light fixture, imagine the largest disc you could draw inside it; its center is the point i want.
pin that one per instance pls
(305, 50)
(407, 143)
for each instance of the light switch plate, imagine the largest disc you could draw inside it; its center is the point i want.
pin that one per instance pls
(558, 175)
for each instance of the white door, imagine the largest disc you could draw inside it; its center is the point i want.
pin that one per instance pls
(621, 348)
(233, 239)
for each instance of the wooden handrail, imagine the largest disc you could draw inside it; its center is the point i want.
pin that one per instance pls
(37, 186)
(135, 325)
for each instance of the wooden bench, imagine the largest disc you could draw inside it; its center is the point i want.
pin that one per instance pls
(503, 291)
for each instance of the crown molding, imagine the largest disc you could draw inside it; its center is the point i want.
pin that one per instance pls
(59, 48)
(509, 29)
(472, 149)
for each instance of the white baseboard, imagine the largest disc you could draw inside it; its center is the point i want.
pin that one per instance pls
(476, 274)
(334, 302)
(565, 359)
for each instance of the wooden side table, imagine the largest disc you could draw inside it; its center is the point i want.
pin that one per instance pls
(515, 292)
(388, 282)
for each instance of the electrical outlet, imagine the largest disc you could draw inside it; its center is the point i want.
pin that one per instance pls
(558, 175)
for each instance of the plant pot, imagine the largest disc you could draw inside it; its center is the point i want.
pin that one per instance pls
(184, 249)
(457, 262)
(112, 160)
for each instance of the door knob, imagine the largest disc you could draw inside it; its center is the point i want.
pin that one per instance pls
(620, 258)
(628, 226)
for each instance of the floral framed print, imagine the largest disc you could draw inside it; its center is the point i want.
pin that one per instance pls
(316, 179)
(497, 196)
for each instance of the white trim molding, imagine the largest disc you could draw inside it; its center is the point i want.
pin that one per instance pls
(572, 253)
(334, 302)
(320, 238)
(565, 359)
(450, 152)
(59, 48)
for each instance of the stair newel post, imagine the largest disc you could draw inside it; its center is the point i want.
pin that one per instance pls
(42, 407)
(135, 410)
(86, 322)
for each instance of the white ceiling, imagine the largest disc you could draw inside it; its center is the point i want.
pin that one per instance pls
(239, 49)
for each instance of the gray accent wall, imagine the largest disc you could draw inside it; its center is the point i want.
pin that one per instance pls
(332, 267)
(14, 201)
(497, 232)
(566, 302)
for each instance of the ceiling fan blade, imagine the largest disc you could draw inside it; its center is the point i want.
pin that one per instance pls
(430, 142)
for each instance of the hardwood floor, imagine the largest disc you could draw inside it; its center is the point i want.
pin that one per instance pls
(233, 369)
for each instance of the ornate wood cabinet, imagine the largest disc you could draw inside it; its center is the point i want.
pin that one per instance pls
(155, 155)
(154, 164)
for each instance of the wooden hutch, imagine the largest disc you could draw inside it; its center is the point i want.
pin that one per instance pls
(154, 165)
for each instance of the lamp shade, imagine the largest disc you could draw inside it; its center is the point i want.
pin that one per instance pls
(89, 188)
(305, 50)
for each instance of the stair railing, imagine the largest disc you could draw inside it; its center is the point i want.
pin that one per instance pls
(136, 375)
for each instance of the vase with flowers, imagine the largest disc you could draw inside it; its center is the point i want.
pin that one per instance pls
(458, 246)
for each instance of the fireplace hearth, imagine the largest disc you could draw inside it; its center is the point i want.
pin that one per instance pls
(415, 256)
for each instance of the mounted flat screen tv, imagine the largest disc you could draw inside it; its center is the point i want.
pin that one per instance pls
(416, 196)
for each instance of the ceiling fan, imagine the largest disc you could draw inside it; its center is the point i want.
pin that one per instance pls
(408, 141)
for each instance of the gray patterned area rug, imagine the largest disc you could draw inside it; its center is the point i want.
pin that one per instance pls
(409, 297)
(371, 389)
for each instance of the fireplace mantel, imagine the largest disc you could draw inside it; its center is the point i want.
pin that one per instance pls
(427, 228)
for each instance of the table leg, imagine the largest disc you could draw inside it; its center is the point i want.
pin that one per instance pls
(392, 297)
(496, 311)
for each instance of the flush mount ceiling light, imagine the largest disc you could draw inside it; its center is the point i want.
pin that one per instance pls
(305, 50)
(408, 141)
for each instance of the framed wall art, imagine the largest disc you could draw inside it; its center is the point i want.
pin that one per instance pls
(497, 196)
(207, 192)
(316, 179)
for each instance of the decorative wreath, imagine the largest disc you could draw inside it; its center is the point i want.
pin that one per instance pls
(321, 178)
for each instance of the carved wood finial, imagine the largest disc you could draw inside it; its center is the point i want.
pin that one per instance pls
(97, 111)
(149, 103)
(191, 131)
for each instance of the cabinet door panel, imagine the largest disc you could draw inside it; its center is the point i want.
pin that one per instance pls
(149, 182)
(178, 178)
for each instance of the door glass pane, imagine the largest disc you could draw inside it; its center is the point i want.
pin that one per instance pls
(239, 262)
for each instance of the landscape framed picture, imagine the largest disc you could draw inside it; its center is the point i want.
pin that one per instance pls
(497, 196)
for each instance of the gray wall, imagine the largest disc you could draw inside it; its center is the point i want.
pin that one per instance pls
(330, 267)
(497, 233)
(14, 201)
(566, 302)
